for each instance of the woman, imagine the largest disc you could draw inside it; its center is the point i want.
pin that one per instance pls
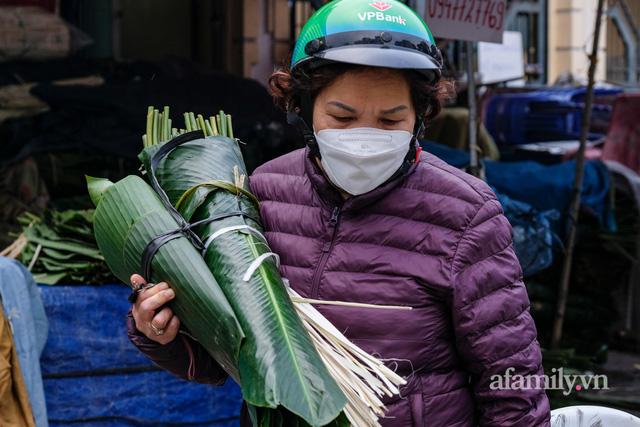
(361, 215)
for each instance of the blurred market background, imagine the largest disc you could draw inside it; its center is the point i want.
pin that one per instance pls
(76, 78)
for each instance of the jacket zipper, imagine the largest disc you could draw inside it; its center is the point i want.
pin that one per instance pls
(326, 250)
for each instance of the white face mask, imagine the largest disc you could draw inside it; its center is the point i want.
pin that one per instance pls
(360, 159)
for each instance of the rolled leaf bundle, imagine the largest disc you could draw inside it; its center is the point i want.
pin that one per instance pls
(128, 216)
(204, 178)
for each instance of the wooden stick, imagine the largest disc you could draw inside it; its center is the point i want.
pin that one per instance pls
(349, 304)
(574, 209)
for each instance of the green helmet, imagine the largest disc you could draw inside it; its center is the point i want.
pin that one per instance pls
(379, 33)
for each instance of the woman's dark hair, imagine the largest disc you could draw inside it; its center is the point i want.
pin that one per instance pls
(287, 88)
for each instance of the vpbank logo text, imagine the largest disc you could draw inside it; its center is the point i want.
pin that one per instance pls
(381, 6)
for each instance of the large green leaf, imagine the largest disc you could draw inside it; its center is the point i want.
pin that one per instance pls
(278, 363)
(49, 278)
(97, 187)
(48, 238)
(267, 417)
(59, 255)
(128, 216)
(53, 265)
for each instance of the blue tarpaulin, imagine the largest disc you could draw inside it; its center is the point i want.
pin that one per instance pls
(155, 399)
(94, 377)
(544, 187)
(549, 187)
(532, 234)
(87, 330)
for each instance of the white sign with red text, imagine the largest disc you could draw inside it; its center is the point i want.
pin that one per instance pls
(473, 20)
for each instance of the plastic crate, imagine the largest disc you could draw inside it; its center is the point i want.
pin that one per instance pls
(546, 115)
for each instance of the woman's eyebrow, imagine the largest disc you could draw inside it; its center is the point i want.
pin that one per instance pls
(395, 109)
(343, 106)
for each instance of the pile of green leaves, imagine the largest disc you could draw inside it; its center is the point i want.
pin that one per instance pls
(61, 248)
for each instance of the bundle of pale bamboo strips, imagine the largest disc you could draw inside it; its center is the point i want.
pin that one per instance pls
(361, 377)
(14, 250)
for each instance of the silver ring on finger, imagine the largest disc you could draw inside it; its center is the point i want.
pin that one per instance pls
(155, 329)
(138, 289)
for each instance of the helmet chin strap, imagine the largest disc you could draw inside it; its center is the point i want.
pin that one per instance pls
(411, 157)
(294, 119)
(300, 118)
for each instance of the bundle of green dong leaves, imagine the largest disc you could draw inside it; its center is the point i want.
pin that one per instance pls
(59, 247)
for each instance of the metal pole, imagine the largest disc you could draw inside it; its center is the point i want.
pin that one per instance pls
(473, 112)
(577, 188)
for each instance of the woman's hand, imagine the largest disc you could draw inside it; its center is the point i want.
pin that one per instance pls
(155, 322)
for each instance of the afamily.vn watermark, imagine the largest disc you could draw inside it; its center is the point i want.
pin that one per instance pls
(557, 380)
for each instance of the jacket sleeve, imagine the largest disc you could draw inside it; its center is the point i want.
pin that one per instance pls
(183, 357)
(495, 333)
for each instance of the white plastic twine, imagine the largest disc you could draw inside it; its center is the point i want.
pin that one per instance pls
(229, 229)
(244, 228)
(257, 262)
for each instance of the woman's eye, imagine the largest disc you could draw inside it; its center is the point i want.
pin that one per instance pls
(343, 119)
(390, 122)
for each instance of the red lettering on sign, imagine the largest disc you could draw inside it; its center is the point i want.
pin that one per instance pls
(501, 15)
(486, 13)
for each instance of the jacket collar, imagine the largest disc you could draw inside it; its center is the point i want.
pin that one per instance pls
(331, 196)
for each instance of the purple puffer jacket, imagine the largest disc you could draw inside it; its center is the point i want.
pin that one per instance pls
(435, 240)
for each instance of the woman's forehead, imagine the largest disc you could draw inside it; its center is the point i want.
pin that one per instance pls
(379, 76)
(386, 87)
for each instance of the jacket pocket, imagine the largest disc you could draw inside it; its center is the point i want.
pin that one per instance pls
(398, 414)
